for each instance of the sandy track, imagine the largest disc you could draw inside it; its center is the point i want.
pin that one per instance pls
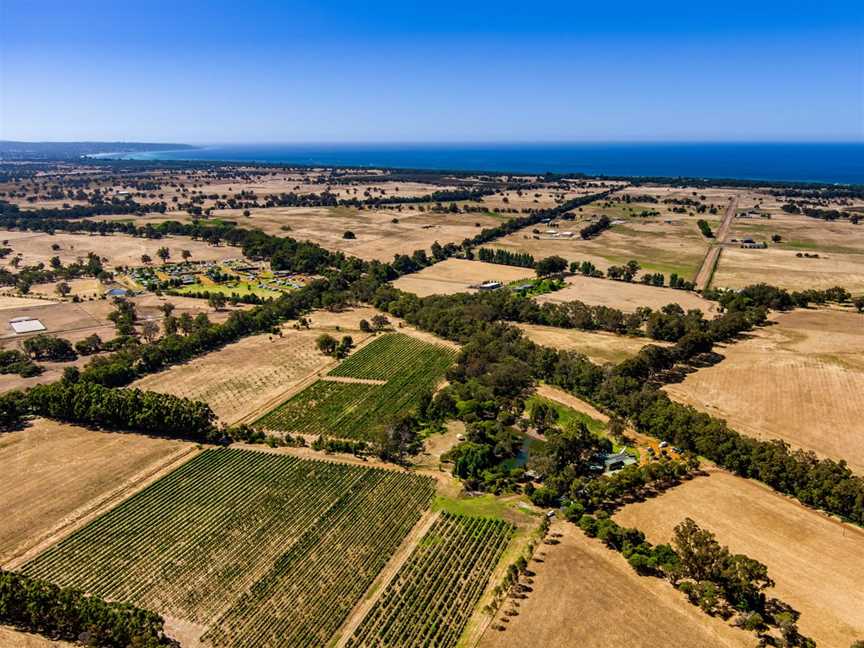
(706, 271)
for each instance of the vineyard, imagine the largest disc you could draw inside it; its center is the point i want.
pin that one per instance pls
(432, 597)
(350, 410)
(264, 549)
(390, 355)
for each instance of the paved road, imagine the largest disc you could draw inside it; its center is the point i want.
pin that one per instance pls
(705, 273)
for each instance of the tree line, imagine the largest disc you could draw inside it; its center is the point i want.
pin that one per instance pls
(68, 614)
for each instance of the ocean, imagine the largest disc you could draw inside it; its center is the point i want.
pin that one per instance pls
(814, 162)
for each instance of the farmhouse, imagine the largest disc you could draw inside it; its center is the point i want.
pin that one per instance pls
(612, 462)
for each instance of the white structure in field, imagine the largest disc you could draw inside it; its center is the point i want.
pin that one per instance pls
(26, 325)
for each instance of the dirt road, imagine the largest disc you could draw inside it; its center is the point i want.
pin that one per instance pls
(703, 278)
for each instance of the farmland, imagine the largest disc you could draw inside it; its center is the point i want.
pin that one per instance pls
(246, 376)
(260, 549)
(55, 474)
(588, 596)
(599, 346)
(348, 409)
(117, 249)
(814, 560)
(434, 594)
(456, 275)
(800, 380)
(626, 296)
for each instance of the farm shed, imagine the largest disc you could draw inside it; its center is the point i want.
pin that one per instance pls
(23, 325)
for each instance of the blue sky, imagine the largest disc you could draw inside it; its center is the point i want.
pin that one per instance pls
(256, 71)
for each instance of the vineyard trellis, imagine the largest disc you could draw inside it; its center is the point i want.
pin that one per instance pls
(265, 549)
(432, 597)
(351, 410)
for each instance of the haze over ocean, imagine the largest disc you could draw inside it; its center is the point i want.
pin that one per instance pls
(816, 162)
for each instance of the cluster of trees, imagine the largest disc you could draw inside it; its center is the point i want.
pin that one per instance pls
(767, 296)
(627, 272)
(506, 257)
(49, 347)
(596, 228)
(328, 345)
(87, 403)
(13, 361)
(705, 228)
(68, 614)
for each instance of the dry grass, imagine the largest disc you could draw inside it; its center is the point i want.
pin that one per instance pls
(626, 296)
(600, 347)
(739, 267)
(801, 380)
(244, 377)
(377, 236)
(586, 595)
(16, 639)
(56, 473)
(815, 561)
(118, 249)
(455, 275)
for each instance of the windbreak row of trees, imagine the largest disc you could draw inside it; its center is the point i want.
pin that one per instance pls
(68, 614)
(136, 410)
(506, 257)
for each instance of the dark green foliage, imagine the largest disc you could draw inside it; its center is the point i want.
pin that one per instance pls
(49, 347)
(65, 613)
(506, 257)
(705, 228)
(87, 403)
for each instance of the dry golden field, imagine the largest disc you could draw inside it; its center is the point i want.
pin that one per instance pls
(246, 377)
(626, 296)
(115, 249)
(17, 639)
(56, 474)
(801, 380)
(586, 595)
(815, 561)
(456, 275)
(599, 346)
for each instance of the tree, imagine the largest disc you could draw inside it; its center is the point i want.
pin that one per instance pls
(186, 254)
(217, 301)
(550, 265)
(63, 289)
(617, 428)
(344, 347)
(145, 259)
(776, 238)
(395, 439)
(858, 302)
(543, 416)
(702, 557)
(326, 344)
(380, 322)
(149, 329)
(163, 253)
(349, 235)
(167, 308)
(364, 326)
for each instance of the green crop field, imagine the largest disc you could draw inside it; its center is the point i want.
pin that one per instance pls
(390, 355)
(351, 410)
(432, 597)
(263, 549)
